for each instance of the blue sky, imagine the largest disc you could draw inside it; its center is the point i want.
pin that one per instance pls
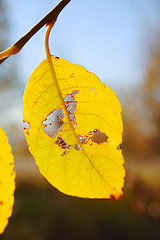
(106, 37)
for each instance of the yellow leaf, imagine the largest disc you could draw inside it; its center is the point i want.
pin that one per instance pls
(7, 181)
(75, 133)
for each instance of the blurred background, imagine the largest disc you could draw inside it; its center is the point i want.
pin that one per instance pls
(120, 42)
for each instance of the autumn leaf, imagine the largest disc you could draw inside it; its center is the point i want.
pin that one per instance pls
(7, 181)
(74, 130)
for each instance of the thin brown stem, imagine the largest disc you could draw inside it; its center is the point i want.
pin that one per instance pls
(16, 47)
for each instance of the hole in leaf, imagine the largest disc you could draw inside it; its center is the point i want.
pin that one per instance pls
(92, 132)
(83, 139)
(119, 146)
(71, 104)
(68, 98)
(74, 93)
(74, 125)
(26, 125)
(77, 147)
(72, 117)
(91, 90)
(99, 137)
(53, 122)
(64, 153)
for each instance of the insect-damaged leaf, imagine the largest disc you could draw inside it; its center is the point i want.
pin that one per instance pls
(75, 139)
(7, 181)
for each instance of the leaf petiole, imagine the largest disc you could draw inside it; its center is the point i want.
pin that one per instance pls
(49, 58)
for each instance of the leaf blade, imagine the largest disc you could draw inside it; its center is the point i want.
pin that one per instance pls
(7, 181)
(96, 107)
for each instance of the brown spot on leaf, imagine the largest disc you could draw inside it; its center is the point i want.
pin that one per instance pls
(120, 197)
(112, 196)
(1, 203)
(62, 143)
(99, 137)
(56, 60)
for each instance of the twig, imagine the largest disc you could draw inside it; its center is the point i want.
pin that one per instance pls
(16, 47)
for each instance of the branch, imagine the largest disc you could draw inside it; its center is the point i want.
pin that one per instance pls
(16, 47)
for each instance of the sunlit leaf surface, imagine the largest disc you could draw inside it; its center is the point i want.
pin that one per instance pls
(7, 181)
(75, 135)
